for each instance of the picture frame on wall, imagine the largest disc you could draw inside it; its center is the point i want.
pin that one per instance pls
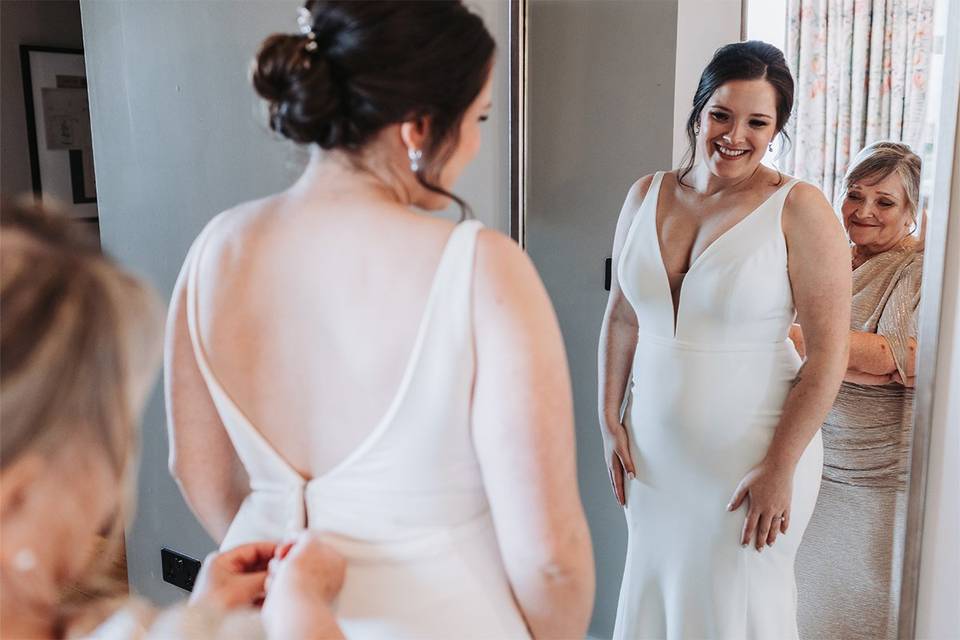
(58, 128)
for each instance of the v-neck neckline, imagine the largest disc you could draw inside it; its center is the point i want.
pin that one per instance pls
(677, 306)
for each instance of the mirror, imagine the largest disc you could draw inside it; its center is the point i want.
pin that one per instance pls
(603, 96)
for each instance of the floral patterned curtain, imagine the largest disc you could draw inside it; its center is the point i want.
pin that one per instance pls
(861, 71)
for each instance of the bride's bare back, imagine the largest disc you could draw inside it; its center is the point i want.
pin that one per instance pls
(309, 309)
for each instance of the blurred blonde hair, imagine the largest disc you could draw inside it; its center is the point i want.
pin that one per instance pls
(878, 160)
(79, 345)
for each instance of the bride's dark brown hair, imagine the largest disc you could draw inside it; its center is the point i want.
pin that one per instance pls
(374, 64)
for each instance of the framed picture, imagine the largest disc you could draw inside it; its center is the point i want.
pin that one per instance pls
(58, 127)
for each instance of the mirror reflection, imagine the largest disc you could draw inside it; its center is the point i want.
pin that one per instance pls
(796, 180)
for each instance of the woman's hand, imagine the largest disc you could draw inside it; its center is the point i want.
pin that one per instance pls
(305, 577)
(909, 381)
(796, 335)
(768, 489)
(616, 452)
(234, 578)
(307, 566)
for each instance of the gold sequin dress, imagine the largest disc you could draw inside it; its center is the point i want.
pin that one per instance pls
(848, 565)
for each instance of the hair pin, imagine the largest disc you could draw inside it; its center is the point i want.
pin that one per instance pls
(305, 22)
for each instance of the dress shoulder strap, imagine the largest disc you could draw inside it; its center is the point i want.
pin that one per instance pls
(454, 277)
(263, 463)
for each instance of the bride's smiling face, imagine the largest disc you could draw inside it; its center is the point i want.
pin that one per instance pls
(736, 125)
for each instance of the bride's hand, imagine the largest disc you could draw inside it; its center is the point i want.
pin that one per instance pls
(768, 489)
(616, 453)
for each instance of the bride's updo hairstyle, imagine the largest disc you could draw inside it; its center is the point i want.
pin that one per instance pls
(358, 66)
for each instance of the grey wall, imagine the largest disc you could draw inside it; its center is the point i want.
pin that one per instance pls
(601, 91)
(49, 23)
(179, 136)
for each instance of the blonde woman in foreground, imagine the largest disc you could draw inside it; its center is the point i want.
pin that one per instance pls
(79, 353)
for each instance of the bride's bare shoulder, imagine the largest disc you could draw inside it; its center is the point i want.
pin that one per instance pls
(805, 200)
(638, 190)
(241, 218)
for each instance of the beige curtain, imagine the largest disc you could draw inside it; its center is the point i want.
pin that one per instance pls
(861, 75)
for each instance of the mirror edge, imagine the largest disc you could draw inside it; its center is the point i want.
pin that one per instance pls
(517, 58)
(929, 330)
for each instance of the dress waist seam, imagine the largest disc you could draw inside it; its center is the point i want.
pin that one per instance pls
(686, 345)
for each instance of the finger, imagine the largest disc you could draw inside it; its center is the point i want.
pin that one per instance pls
(616, 477)
(737, 499)
(785, 522)
(749, 527)
(623, 452)
(282, 550)
(245, 588)
(774, 530)
(763, 530)
(627, 463)
(252, 556)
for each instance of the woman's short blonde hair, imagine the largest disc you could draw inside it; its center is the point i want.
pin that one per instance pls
(878, 160)
(77, 337)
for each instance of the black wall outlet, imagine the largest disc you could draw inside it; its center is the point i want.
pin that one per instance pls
(178, 569)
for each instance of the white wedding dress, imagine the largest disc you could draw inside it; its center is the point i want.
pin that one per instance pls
(708, 386)
(407, 508)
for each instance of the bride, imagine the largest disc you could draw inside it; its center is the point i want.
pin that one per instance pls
(338, 362)
(717, 457)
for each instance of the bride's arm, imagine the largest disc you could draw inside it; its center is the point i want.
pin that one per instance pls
(819, 268)
(523, 431)
(202, 458)
(618, 341)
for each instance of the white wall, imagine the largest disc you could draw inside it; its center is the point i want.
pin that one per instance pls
(767, 21)
(179, 136)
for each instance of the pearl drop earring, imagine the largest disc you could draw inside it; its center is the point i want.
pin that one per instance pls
(415, 155)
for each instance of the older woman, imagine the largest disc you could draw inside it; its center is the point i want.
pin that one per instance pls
(847, 563)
